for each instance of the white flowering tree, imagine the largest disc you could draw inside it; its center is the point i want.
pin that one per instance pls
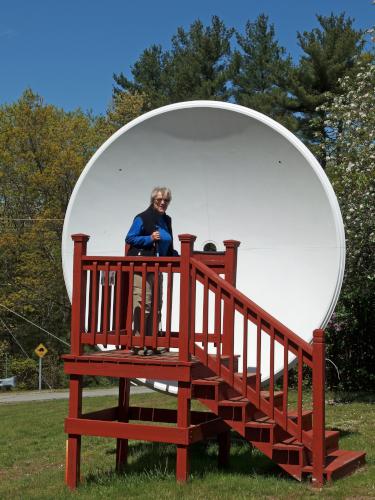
(350, 157)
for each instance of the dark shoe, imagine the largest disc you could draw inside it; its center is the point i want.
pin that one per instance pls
(162, 350)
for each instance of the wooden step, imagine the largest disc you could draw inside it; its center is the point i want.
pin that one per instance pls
(212, 388)
(306, 418)
(250, 378)
(288, 444)
(237, 401)
(214, 380)
(277, 398)
(340, 463)
(208, 388)
(332, 440)
(289, 452)
(236, 409)
(225, 360)
(261, 422)
(260, 430)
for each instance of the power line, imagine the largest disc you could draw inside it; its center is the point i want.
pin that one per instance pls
(34, 324)
(22, 349)
(14, 338)
(27, 220)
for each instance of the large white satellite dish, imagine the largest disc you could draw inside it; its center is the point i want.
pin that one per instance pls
(234, 174)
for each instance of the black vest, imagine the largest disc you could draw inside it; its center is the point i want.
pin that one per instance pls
(150, 219)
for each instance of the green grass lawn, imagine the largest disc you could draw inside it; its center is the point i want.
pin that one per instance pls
(32, 454)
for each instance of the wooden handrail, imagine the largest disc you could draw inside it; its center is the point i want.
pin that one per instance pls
(310, 355)
(239, 296)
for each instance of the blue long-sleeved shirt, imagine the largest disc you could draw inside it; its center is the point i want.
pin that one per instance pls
(137, 239)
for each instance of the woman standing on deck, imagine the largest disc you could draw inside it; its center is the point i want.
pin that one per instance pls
(150, 235)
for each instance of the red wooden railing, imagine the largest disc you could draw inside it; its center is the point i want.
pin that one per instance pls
(102, 314)
(102, 303)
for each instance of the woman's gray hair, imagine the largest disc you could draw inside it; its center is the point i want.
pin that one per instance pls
(165, 192)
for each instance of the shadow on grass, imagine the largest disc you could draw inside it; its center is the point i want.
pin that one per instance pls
(342, 397)
(343, 432)
(158, 461)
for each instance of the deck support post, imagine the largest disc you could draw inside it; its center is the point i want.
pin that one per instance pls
(224, 442)
(123, 416)
(73, 452)
(318, 380)
(183, 420)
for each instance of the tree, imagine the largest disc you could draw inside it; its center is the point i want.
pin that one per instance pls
(42, 151)
(349, 150)
(149, 79)
(199, 63)
(196, 67)
(261, 71)
(124, 108)
(330, 52)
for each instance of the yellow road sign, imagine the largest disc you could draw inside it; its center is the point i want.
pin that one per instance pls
(41, 350)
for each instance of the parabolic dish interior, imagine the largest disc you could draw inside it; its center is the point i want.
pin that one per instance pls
(234, 174)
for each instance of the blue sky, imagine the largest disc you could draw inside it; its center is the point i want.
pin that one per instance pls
(67, 51)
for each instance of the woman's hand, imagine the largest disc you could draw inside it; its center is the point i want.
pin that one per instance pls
(155, 236)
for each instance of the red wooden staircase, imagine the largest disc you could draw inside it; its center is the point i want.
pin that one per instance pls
(205, 367)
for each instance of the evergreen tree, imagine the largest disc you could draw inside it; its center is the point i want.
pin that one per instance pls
(196, 67)
(260, 72)
(149, 79)
(330, 52)
(199, 62)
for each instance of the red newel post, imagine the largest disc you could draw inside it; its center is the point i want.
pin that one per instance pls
(79, 292)
(319, 444)
(231, 250)
(187, 246)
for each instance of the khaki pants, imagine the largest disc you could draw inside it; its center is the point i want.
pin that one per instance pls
(149, 303)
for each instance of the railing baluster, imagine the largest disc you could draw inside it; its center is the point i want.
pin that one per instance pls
(285, 383)
(94, 303)
(143, 305)
(259, 351)
(129, 312)
(87, 308)
(218, 326)
(155, 308)
(169, 304)
(205, 318)
(231, 314)
(299, 397)
(193, 308)
(244, 353)
(106, 304)
(272, 373)
(118, 295)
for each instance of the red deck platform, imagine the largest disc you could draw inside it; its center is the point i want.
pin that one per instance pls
(295, 438)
